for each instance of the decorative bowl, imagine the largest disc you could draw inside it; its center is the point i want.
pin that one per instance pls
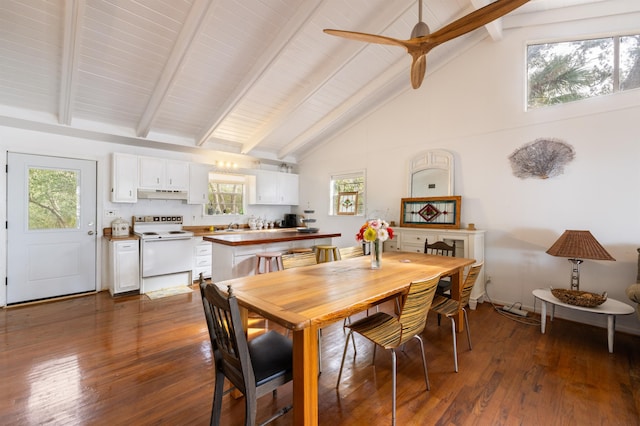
(579, 298)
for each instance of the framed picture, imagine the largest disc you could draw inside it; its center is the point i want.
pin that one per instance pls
(431, 212)
(347, 203)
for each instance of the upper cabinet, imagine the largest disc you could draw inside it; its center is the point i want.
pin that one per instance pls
(198, 184)
(268, 187)
(124, 178)
(159, 173)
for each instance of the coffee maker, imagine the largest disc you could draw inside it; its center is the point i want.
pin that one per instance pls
(290, 220)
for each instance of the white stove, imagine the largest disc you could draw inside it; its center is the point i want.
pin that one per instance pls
(166, 252)
(159, 227)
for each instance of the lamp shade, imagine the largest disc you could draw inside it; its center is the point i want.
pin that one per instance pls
(579, 245)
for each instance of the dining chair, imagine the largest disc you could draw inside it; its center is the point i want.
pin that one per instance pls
(296, 260)
(351, 252)
(254, 367)
(441, 248)
(451, 308)
(390, 332)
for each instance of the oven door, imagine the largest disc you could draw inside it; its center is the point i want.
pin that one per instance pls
(166, 256)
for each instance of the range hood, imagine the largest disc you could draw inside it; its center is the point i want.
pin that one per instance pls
(159, 194)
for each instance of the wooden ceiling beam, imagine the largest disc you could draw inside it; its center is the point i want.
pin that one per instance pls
(72, 24)
(192, 27)
(277, 48)
(320, 77)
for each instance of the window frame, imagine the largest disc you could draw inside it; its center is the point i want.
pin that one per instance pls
(361, 196)
(616, 68)
(226, 178)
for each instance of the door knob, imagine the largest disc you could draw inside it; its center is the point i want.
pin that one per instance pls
(90, 232)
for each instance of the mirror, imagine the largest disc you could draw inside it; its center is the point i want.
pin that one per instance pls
(431, 174)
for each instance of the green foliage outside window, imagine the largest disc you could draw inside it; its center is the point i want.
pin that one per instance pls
(353, 182)
(54, 199)
(225, 197)
(570, 71)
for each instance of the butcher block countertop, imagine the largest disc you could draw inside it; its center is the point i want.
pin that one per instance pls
(247, 238)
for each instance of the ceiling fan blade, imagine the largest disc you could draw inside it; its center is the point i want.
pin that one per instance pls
(367, 38)
(418, 68)
(474, 20)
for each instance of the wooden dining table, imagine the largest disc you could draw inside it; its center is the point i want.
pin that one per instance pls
(306, 299)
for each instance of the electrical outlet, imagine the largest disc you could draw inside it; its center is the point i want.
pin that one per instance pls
(110, 213)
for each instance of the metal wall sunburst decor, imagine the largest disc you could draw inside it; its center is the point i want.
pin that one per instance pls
(543, 158)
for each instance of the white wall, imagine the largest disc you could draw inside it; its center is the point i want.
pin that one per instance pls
(474, 108)
(31, 142)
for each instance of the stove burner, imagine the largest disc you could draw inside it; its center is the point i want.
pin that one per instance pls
(176, 232)
(149, 233)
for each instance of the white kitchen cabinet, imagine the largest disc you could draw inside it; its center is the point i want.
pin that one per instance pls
(267, 187)
(201, 258)
(124, 178)
(124, 266)
(469, 244)
(159, 173)
(198, 184)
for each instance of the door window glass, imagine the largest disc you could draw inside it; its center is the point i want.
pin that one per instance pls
(54, 199)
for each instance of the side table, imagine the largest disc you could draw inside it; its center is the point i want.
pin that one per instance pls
(610, 308)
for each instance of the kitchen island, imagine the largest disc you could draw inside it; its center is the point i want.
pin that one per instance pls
(233, 255)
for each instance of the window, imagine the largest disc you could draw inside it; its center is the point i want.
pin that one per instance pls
(573, 70)
(226, 194)
(54, 199)
(347, 194)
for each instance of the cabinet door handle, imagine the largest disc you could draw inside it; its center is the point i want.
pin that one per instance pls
(90, 232)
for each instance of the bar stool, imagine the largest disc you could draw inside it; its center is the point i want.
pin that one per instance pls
(268, 257)
(324, 253)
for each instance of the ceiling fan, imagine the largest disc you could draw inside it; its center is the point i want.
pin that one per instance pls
(421, 41)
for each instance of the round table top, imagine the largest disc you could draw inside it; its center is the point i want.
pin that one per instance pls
(609, 307)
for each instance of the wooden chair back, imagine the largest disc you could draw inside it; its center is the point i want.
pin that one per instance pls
(440, 248)
(413, 316)
(469, 282)
(230, 349)
(298, 259)
(351, 252)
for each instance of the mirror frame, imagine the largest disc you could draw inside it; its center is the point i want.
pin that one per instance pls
(432, 159)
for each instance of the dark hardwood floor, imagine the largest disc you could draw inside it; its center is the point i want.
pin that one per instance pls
(95, 360)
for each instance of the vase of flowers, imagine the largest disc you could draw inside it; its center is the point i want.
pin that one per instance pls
(375, 232)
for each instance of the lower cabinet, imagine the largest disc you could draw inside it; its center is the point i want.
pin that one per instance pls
(124, 266)
(469, 244)
(201, 259)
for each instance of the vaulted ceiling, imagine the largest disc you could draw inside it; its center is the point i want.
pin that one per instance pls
(257, 77)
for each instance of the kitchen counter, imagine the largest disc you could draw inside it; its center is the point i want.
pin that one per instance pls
(205, 231)
(246, 238)
(233, 254)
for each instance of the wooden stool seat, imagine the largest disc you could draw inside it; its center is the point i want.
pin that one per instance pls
(268, 257)
(301, 250)
(324, 253)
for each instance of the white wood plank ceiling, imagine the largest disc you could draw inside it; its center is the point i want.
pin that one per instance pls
(257, 77)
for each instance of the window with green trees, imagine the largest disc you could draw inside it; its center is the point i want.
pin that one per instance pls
(348, 183)
(574, 70)
(226, 194)
(54, 199)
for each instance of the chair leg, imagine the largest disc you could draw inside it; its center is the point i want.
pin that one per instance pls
(344, 354)
(216, 410)
(393, 384)
(455, 349)
(424, 362)
(439, 317)
(466, 322)
(373, 358)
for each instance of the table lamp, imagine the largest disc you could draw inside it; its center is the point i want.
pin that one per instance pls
(578, 245)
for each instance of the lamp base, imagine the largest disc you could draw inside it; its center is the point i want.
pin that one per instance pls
(575, 273)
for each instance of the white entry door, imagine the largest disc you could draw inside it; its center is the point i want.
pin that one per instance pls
(51, 233)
